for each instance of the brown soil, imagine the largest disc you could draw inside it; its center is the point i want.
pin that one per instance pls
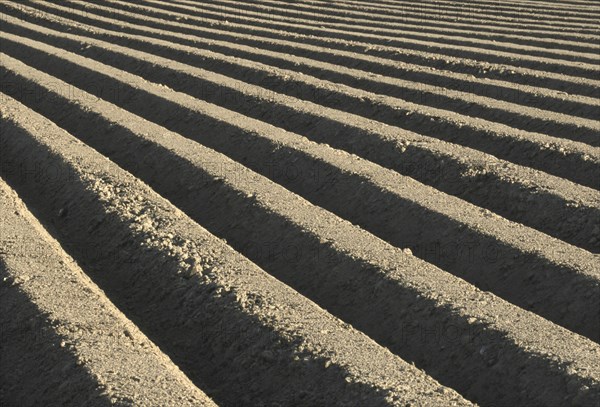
(307, 203)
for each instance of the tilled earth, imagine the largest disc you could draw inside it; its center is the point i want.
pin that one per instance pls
(300, 203)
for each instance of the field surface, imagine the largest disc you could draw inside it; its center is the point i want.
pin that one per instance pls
(300, 203)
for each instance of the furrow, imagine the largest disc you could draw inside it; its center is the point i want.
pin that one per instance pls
(523, 15)
(480, 8)
(499, 90)
(61, 336)
(470, 22)
(252, 339)
(471, 240)
(358, 102)
(301, 203)
(557, 156)
(365, 56)
(457, 170)
(585, 4)
(535, 5)
(547, 3)
(527, 45)
(587, 68)
(453, 19)
(356, 275)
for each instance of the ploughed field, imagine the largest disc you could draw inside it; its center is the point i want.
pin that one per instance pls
(300, 203)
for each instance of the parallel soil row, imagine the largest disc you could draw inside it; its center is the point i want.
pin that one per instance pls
(586, 67)
(550, 16)
(358, 277)
(386, 57)
(469, 9)
(467, 21)
(335, 65)
(287, 211)
(420, 158)
(558, 125)
(130, 88)
(55, 320)
(401, 29)
(202, 302)
(569, 50)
